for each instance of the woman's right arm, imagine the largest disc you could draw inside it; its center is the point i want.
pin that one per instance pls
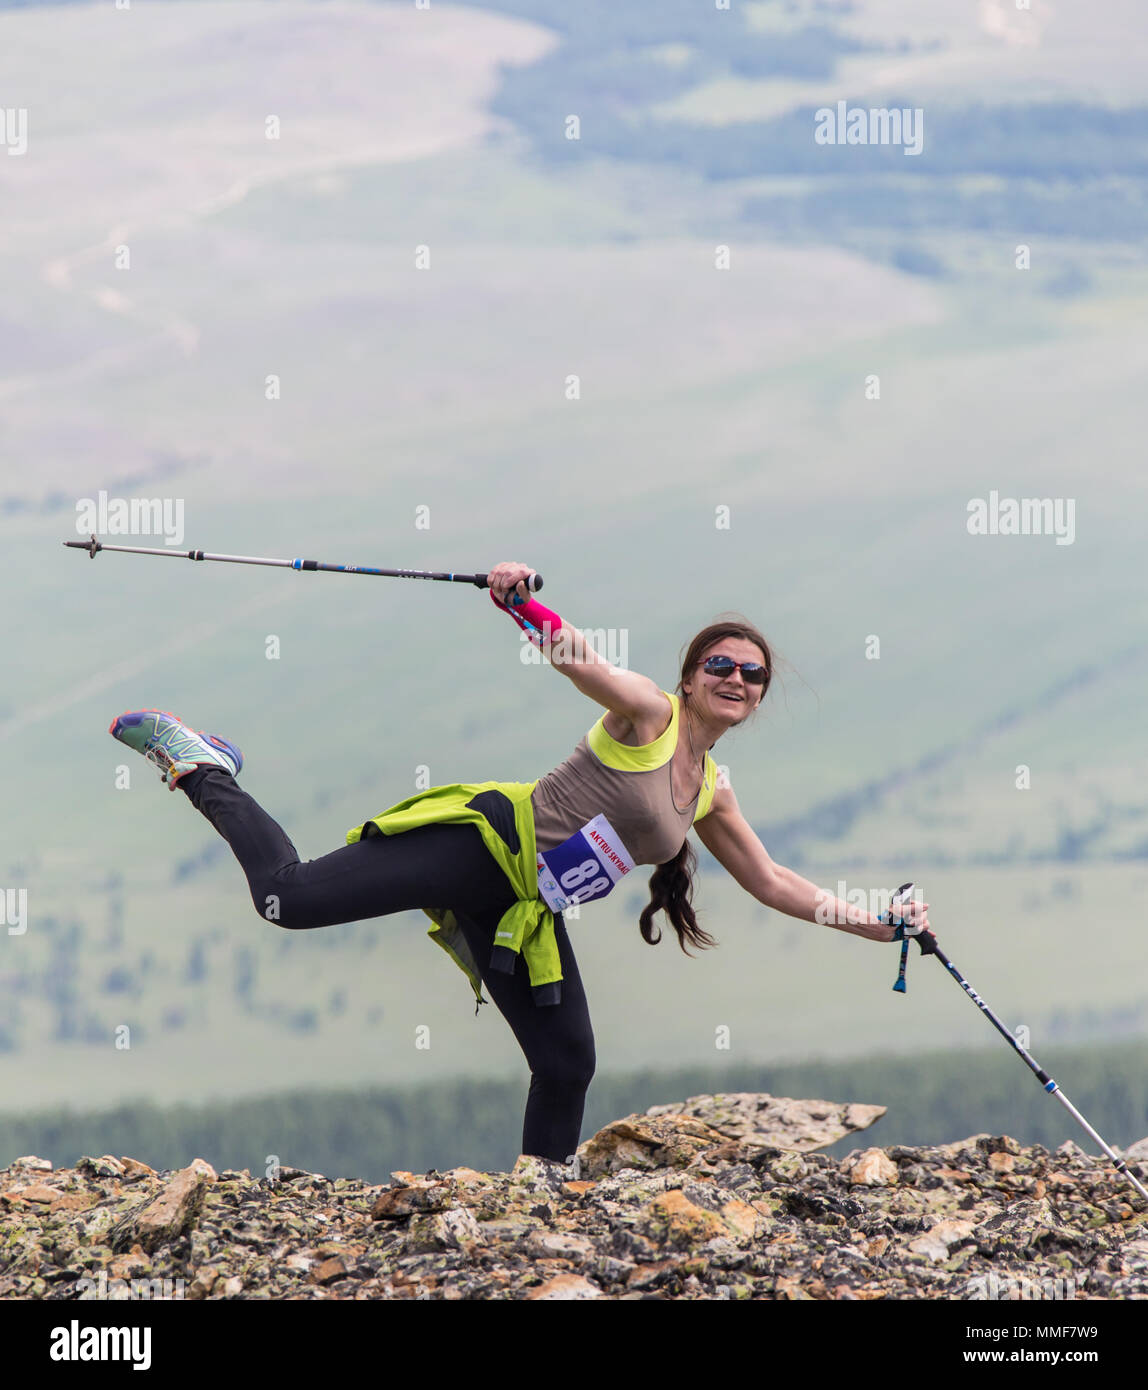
(628, 694)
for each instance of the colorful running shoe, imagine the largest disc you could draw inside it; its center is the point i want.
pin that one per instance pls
(165, 740)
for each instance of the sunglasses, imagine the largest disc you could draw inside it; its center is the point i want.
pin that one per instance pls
(752, 672)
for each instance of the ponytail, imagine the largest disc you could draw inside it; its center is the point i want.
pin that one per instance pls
(672, 892)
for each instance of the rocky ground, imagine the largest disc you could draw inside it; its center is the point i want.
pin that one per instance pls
(716, 1197)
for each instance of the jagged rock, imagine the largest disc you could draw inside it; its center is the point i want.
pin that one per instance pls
(637, 1142)
(787, 1167)
(672, 1219)
(874, 1168)
(455, 1229)
(45, 1195)
(329, 1271)
(559, 1245)
(997, 1144)
(134, 1170)
(1018, 1229)
(42, 1165)
(1134, 1257)
(668, 1206)
(935, 1243)
(400, 1202)
(203, 1283)
(127, 1266)
(167, 1216)
(776, 1120)
(36, 1192)
(106, 1167)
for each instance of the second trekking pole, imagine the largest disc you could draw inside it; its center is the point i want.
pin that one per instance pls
(929, 947)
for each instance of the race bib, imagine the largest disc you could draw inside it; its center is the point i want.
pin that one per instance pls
(584, 867)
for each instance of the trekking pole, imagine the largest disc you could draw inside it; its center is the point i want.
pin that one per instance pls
(93, 547)
(927, 941)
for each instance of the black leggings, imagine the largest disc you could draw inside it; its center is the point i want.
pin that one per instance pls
(433, 865)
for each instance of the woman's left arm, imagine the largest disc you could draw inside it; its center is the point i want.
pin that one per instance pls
(730, 839)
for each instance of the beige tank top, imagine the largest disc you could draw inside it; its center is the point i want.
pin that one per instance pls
(629, 786)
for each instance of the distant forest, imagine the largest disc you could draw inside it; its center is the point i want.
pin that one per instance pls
(932, 1098)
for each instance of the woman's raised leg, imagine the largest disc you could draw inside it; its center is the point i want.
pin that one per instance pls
(430, 866)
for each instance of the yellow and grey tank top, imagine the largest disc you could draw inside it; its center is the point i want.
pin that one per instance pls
(629, 785)
(518, 820)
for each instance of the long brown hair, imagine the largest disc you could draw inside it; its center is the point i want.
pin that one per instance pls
(672, 883)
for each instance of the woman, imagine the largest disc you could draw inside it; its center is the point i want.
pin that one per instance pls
(501, 860)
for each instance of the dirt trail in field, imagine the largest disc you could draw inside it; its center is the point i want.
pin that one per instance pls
(348, 87)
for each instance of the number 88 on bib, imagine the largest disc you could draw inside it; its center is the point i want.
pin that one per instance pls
(584, 867)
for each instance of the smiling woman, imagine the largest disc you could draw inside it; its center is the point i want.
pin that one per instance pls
(494, 865)
(725, 675)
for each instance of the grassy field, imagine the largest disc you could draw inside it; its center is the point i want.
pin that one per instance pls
(222, 1004)
(445, 390)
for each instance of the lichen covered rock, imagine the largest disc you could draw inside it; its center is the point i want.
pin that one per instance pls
(716, 1197)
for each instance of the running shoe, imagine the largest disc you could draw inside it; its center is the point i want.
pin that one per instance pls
(176, 750)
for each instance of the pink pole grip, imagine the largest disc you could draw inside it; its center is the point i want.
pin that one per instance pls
(532, 612)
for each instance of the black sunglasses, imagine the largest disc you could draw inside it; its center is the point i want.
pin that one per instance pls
(752, 672)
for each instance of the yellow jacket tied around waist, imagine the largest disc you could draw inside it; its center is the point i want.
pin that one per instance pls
(504, 817)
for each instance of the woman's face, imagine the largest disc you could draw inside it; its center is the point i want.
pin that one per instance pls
(726, 698)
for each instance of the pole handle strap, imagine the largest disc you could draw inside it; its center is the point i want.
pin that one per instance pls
(534, 618)
(905, 933)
